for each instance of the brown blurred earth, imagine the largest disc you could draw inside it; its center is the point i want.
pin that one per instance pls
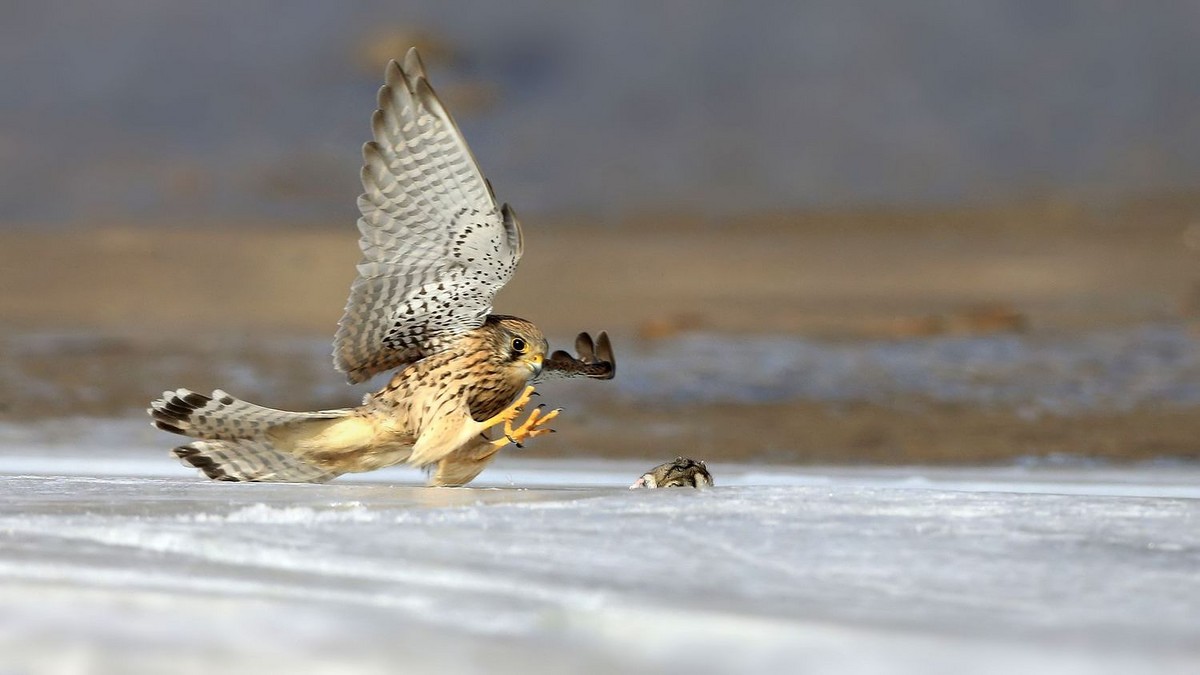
(153, 293)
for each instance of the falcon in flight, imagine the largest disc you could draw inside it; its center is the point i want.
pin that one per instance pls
(436, 249)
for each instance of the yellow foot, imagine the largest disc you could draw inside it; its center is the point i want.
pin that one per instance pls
(532, 427)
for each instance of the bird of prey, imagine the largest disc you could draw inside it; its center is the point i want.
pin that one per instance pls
(436, 248)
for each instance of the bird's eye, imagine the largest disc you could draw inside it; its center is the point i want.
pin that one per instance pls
(518, 345)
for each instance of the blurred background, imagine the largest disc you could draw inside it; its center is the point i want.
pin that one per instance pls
(819, 232)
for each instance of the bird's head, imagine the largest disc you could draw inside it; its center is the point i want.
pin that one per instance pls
(518, 346)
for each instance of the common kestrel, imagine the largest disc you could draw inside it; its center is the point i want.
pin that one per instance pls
(436, 249)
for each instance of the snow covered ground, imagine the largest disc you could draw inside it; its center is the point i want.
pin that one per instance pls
(125, 563)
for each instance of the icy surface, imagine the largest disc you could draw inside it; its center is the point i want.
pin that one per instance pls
(902, 570)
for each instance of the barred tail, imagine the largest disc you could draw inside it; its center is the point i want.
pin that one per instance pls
(238, 438)
(248, 460)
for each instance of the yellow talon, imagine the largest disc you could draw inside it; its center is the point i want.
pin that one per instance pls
(532, 427)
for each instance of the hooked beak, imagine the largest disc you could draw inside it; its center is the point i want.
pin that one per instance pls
(535, 365)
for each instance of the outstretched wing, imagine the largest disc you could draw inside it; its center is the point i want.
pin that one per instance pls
(595, 360)
(436, 246)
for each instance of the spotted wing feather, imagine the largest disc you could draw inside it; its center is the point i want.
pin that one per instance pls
(436, 245)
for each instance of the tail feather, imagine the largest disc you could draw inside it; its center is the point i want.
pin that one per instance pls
(221, 416)
(239, 439)
(249, 460)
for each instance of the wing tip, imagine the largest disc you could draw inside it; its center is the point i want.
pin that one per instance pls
(379, 128)
(605, 352)
(414, 66)
(512, 227)
(410, 73)
(393, 74)
(423, 92)
(593, 359)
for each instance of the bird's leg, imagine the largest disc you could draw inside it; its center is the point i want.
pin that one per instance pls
(530, 428)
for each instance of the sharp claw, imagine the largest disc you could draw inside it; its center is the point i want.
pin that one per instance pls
(532, 427)
(535, 393)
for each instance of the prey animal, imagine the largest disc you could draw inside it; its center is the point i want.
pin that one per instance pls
(436, 246)
(681, 472)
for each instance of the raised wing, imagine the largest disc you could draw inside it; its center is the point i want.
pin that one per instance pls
(595, 360)
(436, 246)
